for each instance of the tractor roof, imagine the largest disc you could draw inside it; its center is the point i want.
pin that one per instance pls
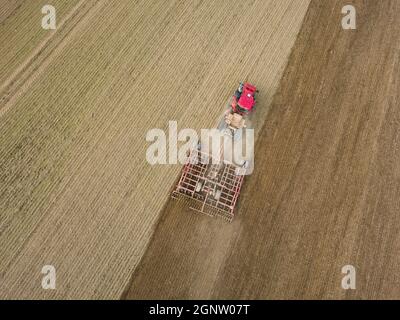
(246, 99)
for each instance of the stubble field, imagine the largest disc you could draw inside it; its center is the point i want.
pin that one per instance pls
(325, 190)
(76, 190)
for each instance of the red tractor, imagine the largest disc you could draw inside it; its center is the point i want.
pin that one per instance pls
(242, 105)
(244, 99)
(214, 188)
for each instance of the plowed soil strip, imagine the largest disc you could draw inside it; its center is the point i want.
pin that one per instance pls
(77, 191)
(325, 191)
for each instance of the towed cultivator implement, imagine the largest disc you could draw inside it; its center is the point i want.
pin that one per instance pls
(213, 187)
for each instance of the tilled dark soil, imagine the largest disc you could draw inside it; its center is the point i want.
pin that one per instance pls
(326, 187)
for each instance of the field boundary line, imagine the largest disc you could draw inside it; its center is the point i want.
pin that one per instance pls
(68, 181)
(21, 79)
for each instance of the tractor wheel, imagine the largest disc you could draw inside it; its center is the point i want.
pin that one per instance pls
(222, 125)
(238, 94)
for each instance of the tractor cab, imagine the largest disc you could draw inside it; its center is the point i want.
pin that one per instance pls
(244, 99)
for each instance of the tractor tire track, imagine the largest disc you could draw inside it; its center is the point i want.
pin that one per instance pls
(31, 69)
(8, 9)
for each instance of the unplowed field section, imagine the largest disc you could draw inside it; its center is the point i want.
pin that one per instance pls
(76, 191)
(326, 188)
